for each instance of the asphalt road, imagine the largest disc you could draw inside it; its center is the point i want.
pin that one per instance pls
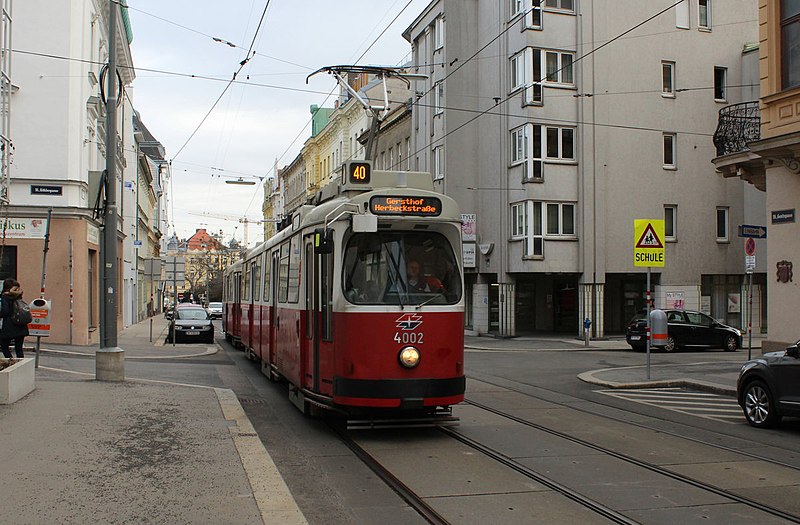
(332, 486)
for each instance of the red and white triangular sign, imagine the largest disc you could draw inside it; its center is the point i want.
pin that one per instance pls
(649, 239)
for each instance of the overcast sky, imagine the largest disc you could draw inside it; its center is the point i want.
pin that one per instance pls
(253, 124)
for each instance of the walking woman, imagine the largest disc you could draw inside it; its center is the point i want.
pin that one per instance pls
(10, 330)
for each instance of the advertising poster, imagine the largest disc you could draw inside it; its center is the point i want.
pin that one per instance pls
(734, 303)
(675, 300)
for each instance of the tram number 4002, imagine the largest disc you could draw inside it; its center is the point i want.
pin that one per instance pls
(405, 338)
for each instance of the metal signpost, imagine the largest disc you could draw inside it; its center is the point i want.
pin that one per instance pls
(648, 251)
(175, 271)
(750, 266)
(750, 232)
(152, 270)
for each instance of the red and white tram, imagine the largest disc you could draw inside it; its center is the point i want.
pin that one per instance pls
(358, 303)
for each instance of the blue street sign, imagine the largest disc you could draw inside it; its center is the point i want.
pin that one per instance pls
(756, 232)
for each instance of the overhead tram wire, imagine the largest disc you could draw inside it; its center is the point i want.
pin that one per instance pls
(317, 92)
(228, 85)
(507, 98)
(255, 192)
(212, 37)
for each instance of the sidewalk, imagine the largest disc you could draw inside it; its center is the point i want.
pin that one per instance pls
(702, 374)
(76, 450)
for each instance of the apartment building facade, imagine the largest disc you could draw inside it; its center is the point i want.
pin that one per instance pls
(760, 143)
(555, 125)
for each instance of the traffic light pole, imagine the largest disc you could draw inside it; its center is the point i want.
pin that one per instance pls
(110, 359)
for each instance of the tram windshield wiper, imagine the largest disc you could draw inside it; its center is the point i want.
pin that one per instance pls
(396, 282)
(436, 295)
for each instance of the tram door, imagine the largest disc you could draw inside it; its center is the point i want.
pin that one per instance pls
(273, 311)
(237, 305)
(309, 347)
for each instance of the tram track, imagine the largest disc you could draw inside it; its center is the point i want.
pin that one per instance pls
(643, 426)
(414, 501)
(499, 456)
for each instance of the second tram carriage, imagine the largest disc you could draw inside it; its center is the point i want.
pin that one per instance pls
(358, 303)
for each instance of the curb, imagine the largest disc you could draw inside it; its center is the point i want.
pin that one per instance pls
(705, 386)
(209, 351)
(273, 498)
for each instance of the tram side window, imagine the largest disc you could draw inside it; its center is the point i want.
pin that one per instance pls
(283, 273)
(246, 284)
(294, 270)
(257, 279)
(400, 268)
(267, 275)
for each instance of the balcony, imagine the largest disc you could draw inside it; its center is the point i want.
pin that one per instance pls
(738, 126)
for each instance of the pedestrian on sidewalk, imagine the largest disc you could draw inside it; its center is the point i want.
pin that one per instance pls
(10, 330)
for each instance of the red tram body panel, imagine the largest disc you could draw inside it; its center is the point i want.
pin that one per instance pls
(358, 303)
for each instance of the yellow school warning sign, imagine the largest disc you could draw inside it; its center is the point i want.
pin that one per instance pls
(648, 242)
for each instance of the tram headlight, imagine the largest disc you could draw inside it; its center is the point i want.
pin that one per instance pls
(409, 357)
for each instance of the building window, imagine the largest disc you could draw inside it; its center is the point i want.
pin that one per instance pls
(557, 66)
(519, 220)
(517, 6)
(560, 219)
(438, 101)
(790, 41)
(704, 14)
(560, 143)
(722, 224)
(519, 144)
(668, 79)
(567, 5)
(438, 163)
(533, 16)
(518, 71)
(408, 153)
(720, 83)
(537, 237)
(399, 156)
(670, 222)
(682, 15)
(438, 33)
(670, 151)
(527, 149)
(391, 158)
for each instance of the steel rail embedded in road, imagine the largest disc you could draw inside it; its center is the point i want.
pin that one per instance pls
(574, 495)
(642, 425)
(400, 488)
(642, 464)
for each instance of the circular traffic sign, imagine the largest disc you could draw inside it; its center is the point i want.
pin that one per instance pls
(750, 246)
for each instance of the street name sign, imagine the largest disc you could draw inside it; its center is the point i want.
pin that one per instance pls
(782, 216)
(648, 244)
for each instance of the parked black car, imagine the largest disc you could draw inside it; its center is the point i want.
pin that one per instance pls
(191, 323)
(768, 387)
(686, 328)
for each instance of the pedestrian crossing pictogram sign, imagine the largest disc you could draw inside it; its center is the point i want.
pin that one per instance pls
(648, 242)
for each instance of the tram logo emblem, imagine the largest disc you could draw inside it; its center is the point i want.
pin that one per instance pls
(408, 321)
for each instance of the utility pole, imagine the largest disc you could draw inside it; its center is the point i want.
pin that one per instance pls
(110, 359)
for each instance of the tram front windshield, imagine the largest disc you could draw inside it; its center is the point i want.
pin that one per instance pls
(405, 268)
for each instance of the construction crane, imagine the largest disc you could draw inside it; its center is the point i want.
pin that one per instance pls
(241, 220)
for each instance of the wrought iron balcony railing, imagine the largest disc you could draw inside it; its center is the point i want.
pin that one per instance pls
(738, 124)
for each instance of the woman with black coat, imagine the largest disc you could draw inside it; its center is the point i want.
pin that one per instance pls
(9, 330)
